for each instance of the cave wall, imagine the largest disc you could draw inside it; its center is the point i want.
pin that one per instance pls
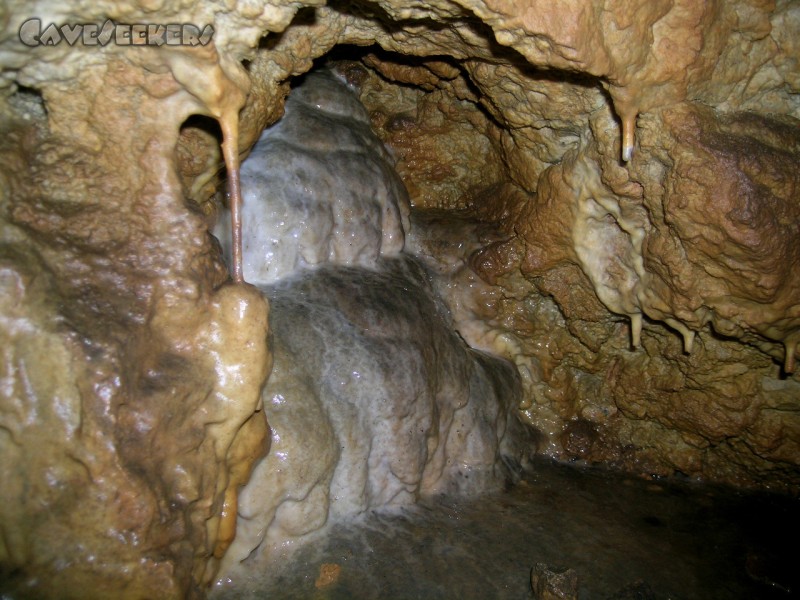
(131, 370)
(695, 236)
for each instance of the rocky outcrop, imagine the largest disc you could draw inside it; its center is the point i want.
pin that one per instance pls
(670, 240)
(374, 401)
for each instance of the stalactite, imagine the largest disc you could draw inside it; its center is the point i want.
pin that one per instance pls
(229, 122)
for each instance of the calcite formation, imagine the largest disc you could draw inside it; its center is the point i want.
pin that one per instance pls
(630, 165)
(318, 187)
(374, 400)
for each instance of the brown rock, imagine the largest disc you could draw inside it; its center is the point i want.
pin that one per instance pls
(122, 441)
(549, 584)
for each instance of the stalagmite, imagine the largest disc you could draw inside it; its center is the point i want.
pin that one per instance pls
(220, 86)
(324, 239)
(319, 214)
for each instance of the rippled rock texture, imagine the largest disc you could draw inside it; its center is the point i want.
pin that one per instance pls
(129, 405)
(374, 401)
(693, 241)
(318, 187)
(633, 165)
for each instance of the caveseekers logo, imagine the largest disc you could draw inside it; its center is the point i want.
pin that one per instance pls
(91, 34)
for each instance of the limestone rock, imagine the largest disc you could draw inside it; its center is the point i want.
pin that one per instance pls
(111, 281)
(373, 401)
(319, 188)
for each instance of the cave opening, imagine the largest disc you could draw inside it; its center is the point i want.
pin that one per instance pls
(29, 102)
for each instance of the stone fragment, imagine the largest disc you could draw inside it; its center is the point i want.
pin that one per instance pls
(553, 584)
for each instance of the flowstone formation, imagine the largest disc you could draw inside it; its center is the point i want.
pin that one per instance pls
(693, 241)
(130, 372)
(318, 188)
(374, 401)
(632, 166)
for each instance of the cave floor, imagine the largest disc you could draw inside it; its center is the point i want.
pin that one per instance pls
(624, 537)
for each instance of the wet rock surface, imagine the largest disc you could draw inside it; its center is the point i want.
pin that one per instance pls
(622, 538)
(590, 396)
(374, 402)
(638, 162)
(131, 375)
(604, 285)
(319, 188)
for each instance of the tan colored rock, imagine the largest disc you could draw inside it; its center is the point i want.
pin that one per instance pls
(444, 148)
(124, 439)
(129, 336)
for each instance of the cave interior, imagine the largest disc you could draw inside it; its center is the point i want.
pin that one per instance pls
(553, 248)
